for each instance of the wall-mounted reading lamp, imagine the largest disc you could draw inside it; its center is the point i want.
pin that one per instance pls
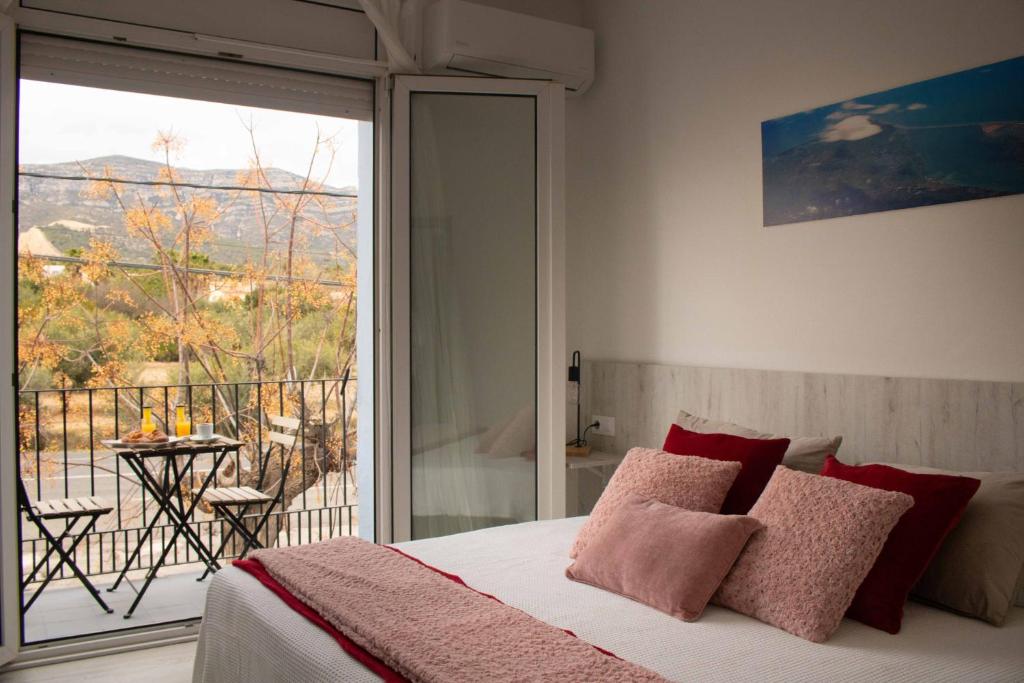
(578, 446)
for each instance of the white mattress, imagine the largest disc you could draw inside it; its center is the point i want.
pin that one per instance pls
(249, 635)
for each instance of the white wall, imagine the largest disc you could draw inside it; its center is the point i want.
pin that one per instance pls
(668, 260)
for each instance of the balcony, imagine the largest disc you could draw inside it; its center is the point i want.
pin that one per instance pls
(61, 456)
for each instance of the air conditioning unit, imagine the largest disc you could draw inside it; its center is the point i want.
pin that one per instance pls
(469, 38)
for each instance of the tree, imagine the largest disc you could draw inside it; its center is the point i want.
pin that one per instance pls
(289, 315)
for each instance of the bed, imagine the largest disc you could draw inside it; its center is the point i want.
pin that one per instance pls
(248, 634)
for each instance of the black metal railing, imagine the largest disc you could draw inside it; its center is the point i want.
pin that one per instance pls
(61, 456)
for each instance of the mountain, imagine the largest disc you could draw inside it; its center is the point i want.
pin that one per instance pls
(67, 219)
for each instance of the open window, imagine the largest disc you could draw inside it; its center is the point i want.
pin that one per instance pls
(193, 239)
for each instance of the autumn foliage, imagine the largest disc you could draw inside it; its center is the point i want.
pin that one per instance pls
(282, 313)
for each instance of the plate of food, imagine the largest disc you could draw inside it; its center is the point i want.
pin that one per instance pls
(153, 439)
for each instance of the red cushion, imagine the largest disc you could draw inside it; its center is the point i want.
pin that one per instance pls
(758, 458)
(939, 501)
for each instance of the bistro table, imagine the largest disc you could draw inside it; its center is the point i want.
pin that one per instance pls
(174, 462)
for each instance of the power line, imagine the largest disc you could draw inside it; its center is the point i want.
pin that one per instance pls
(195, 186)
(199, 271)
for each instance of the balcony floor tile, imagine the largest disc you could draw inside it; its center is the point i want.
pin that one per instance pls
(69, 611)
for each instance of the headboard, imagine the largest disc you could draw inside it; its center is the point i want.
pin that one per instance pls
(952, 424)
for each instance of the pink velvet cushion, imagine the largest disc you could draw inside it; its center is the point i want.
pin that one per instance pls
(821, 537)
(663, 556)
(683, 481)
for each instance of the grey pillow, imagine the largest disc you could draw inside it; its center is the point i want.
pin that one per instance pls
(805, 453)
(979, 569)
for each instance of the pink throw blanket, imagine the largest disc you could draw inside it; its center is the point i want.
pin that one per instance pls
(428, 627)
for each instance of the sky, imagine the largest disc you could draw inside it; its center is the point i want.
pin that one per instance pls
(990, 93)
(71, 123)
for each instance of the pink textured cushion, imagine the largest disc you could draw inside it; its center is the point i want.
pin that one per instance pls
(663, 556)
(681, 480)
(821, 538)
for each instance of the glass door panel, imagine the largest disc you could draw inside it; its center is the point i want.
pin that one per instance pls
(472, 311)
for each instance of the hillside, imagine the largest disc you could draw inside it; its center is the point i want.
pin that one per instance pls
(67, 219)
(34, 241)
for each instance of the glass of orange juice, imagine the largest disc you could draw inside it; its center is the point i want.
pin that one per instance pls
(182, 425)
(147, 420)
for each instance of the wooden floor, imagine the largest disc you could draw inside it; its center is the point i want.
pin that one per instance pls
(168, 664)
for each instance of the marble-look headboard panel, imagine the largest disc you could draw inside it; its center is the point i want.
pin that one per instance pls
(952, 424)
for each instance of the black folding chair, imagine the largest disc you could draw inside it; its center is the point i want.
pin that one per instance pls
(226, 499)
(70, 510)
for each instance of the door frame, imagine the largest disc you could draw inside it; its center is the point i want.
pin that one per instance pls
(395, 472)
(10, 601)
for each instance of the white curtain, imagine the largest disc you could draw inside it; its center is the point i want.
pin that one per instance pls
(399, 26)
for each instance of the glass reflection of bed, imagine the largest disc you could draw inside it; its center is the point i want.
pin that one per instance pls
(477, 481)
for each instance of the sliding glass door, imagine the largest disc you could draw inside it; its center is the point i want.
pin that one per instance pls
(472, 422)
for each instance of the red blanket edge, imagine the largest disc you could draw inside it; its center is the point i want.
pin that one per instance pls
(256, 569)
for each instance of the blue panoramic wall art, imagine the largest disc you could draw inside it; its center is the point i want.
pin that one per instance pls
(947, 139)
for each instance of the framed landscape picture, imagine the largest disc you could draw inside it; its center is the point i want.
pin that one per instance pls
(947, 139)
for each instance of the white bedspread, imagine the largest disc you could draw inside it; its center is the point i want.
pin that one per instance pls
(249, 635)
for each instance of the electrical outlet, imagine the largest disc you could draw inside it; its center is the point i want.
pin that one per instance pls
(607, 427)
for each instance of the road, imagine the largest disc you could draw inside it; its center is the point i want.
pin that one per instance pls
(100, 479)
